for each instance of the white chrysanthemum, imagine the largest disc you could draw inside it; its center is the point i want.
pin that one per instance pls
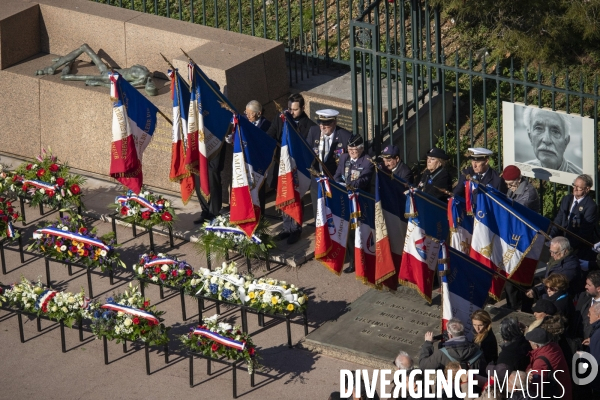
(140, 270)
(155, 278)
(103, 253)
(164, 268)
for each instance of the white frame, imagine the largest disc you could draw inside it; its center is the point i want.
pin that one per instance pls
(552, 175)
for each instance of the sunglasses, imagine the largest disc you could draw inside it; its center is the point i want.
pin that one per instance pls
(552, 288)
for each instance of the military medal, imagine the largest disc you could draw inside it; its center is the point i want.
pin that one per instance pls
(580, 208)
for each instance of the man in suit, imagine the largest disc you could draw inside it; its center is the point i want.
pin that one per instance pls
(393, 164)
(578, 213)
(253, 113)
(580, 325)
(480, 171)
(291, 230)
(329, 142)
(355, 170)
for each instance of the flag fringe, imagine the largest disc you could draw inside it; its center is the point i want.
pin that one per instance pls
(413, 286)
(411, 215)
(285, 203)
(386, 276)
(366, 282)
(321, 255)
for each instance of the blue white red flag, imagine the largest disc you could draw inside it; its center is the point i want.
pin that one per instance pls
(184, 149)
(385, 269)
(253, 152)
(464, 284)
(363, 222)
(133, 124)
(461, 225)
(331, 235)
(393, 200)
(420, 257)
(504, 241)
(294, 178)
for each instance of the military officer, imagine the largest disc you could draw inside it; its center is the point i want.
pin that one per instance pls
(480, 170)
(436, 175)
(393, 164)
(356, 170)
(329, 142)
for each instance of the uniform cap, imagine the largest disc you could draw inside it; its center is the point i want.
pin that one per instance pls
(476, 153)
(438, 153)
(511, 173)
(355, 141)
(390, 151)
(327, 114)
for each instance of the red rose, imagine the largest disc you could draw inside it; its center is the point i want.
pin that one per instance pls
(189, 272)
(156, 270)
(41, 172)
(58, 243)
(146, 303)
(251, 351)
(8, 203)
(24, 188)
(124, 210)
(60, 181)
(135, 320)
(166, 216)
(10, 209)
(4, 218)
(82, 230)
(86, 253)
(54, 168)
(1, 212)
(73, 249)
(146, 215)
(15, 215)
(163, 276)
(75, 189)
(174, 272)
(50, 193)
(2, 199)
(29, 166)
(214, 347)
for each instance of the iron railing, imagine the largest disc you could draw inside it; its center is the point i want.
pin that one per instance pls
(399, 64)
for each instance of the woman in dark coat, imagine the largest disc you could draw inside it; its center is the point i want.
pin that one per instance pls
(557, 287)
(484, 336)
(514, 350)
(436, 175)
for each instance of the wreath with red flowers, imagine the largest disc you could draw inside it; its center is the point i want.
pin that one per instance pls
(146, 209)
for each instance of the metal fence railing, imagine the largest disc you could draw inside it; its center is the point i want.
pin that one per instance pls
(398, 63)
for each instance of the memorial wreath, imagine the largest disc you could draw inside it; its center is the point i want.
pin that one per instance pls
(217, 339)
(49, 182)
(224, 283)
(128, 316)
(146, 209)
(8, 215)
(70, 240)
(164, 269)
(219, 236)
(58, 306)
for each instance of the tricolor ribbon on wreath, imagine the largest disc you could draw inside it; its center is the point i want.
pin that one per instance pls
(228, 229)
(160, 261)
(44, 299)
(40, 184)
(71, 235)
(220, 339)
(10, 230)
(131, 311)
(237, 282)
(140, 200)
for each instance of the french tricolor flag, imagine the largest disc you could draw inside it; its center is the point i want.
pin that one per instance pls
(294, 178)
(201, 135)
(183, 145)
(464, 284)
(384, 265)
(332, 224)
(460, 224)
(253, 152)
(505, 241)
(420, 257)
(133, 124)
(392, 198)
(364, 236)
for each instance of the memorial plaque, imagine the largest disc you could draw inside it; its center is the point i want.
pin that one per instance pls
(344, 119)
(379, 324)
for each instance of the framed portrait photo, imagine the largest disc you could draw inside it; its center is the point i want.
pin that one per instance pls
(545, 144)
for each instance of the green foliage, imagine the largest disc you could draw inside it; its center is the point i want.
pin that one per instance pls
(552, 32)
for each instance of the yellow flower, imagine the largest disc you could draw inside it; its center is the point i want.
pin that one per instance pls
(251, 295)
(290, 307)
(74, 242)
(70, 254)
(261, 292)
(80, 252)
(284, 286)
(274, 300)
(57, 248)
(98, 251)
(80, 245)
(42, 247)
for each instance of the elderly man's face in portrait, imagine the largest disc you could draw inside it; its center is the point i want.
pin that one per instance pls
(548, 135)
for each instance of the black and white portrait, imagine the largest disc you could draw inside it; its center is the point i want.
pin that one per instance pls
(546, 144)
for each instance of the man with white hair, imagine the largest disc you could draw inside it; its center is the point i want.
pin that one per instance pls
(549, 134)
(457, 349)
(254, 113)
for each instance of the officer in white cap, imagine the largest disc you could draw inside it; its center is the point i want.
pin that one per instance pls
(481, 172)
(329, 142)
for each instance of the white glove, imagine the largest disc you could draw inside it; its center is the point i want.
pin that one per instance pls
(229, 139)
(596, 247)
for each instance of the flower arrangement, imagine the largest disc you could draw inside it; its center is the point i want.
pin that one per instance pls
(267, 295)
(6, 179)
(128, 316)
(69, 239)
(164, 269)
(8, 215)
(219, 236)
(224, 283)
(216, 339)
(2, 298)
(147, 209)
(49, 182)
(58, 306)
